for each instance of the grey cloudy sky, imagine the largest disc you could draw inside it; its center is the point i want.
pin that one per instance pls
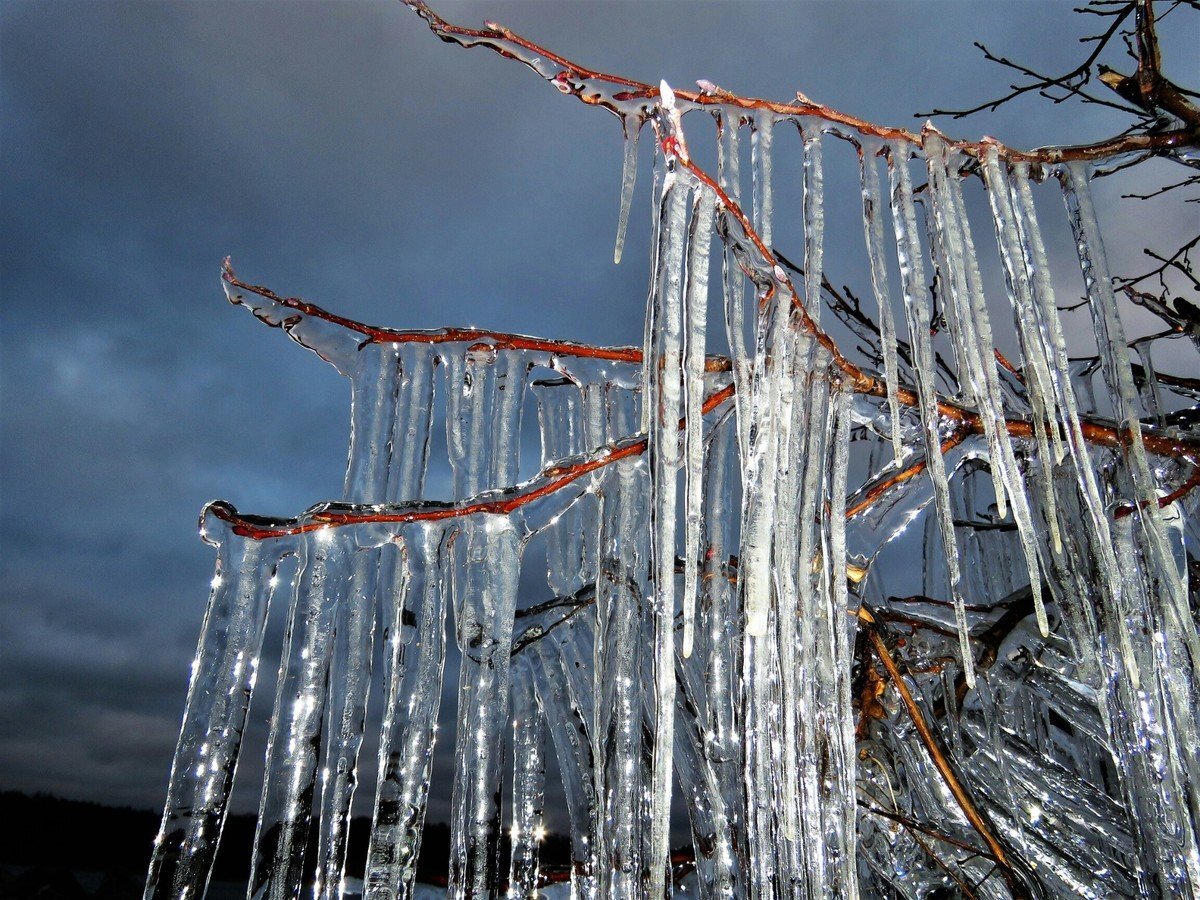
(340, 152)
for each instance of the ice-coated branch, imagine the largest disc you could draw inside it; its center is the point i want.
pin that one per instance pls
(334, 337)
(629, 99)
(633, 100)
(500, 502)
(289, 313)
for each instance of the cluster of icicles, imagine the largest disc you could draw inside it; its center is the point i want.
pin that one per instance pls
(710, 599)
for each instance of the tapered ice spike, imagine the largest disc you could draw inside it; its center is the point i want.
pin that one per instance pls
(662, 388)
(873, 228)
(628, 180)
(919, 315)
(223, 675)
(696, 299)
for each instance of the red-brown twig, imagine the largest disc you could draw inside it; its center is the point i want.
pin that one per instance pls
(900, 477)
(1192, 482)
(498, 340)
(547, 482)
(940, 762)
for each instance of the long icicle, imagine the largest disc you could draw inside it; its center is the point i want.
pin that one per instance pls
(415, 611)
(972, 329)
(814, 216)
(873, 229)
(663, 368)
(696, 314)
(632, 129)
(223, 676)
(917, 309)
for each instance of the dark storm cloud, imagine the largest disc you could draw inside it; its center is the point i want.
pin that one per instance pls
(338, 151)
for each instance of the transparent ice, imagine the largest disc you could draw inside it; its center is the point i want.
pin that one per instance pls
(893, 628)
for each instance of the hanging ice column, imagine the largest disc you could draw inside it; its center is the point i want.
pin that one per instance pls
(798, 723)
(223, 676)
(1153, 682)
(413, 614)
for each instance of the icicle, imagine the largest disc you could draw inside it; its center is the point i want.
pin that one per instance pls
(1151, 584)
(487, 570)
(1037, 380)
(771, 410)
(223, 676)
(651, 325)
(415, 653)
(662, 388)
(759, 725)
(1043, 291)
(700, 233)
(951, 248)
(712, 837)
(508, 394)
(821, 715)
(349, 687)
(372, 420)
(761, 129)
(1151, 735)
(529, 774)
(560, 429)
(917, 309)
(1110, 333)
(973, 323)
(873, 228)
(571, 746)
(814, 215)
(719, 614)
(484, 391)
(458, 418)
(294, 748)
(841, 721)
(620, 773)
(1034, 331)
(632, 129)
(729, 173)
(792, 534)
(414, 411)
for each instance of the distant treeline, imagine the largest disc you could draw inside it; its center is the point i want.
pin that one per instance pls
(50, 833)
